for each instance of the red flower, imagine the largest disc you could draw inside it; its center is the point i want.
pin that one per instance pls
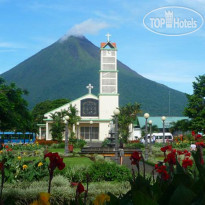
(193, 133)
(180, 152)
(135, 157)
(6, 146)
(72, 184)
(200, 144)
(188, 154)
(162, 171)
(185, 152)
(168, 147)
(187, 162)
(171, 158)
(55, 161)
(198, 136)
(165, 176)
(202, 161)
(1, 166)
(80, 188)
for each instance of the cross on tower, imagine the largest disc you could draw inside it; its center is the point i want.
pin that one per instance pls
(108, 37)
(89, 87)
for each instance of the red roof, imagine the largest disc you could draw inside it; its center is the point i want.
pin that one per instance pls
(103, 45)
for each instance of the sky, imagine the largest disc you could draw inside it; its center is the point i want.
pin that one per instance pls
(27, 26)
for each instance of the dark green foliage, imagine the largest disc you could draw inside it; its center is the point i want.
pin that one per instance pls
(108, 171)
(181, 125)
(58, 125)
(135, 145)
(126, 117)
(63, 69)
(14, 114)
(182, 188)
(78, 143)
(43, 107)
(196, 105)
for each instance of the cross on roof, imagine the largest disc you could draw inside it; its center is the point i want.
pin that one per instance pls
(108, 37)
(89, 87)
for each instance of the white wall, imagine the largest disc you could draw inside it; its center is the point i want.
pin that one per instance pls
(107, 104)
(136, 132)
(103, 130)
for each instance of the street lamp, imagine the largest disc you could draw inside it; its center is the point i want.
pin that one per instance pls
(116, 113)
(146, 116)
(91, 123)
(66, 118)
(150, 135)
(163, 121)
(77, 124)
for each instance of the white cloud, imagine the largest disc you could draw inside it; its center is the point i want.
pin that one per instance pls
(11, 45)
(7, 50)
(89, 26)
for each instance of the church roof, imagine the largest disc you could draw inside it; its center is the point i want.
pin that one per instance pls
(112, 45)
(73, 101)
(158, 121)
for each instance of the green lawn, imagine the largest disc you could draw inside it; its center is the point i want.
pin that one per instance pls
(62, 150)
(73, 161)
(69, 161)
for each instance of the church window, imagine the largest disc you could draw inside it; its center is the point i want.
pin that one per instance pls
(89, 107)
(89, 132)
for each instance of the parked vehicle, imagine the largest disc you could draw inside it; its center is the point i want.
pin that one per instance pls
(17, 137)
(158, 137)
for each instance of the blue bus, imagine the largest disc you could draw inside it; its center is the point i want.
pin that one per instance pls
(17, 137)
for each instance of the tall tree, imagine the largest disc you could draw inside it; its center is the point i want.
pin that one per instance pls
(13, 107)
(126, 117)
(196, 105)
(58, 125)
(73, 117)
(180, 126)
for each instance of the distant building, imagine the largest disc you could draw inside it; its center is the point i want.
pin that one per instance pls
(95, 111)
(156, 120)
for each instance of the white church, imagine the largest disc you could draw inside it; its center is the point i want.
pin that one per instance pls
(95, 111)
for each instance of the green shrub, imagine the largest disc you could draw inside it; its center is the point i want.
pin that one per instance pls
(76, 173)
(105, 142)
(58, 145)
(108, 171)
(24, 193)
(80, 143)
(135, 145)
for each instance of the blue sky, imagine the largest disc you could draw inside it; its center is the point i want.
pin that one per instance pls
(27, 26)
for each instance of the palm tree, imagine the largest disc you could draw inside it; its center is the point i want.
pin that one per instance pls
(72, 119)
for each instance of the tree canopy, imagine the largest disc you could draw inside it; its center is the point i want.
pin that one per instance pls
(126, 117)
(14, 113)
(43, 107)
(196, 105)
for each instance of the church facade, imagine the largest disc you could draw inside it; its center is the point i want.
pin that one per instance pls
(95, 111)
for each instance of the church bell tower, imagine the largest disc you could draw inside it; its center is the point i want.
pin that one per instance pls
(108, 97)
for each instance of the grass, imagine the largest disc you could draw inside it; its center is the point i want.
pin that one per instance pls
(62, 150)
(74, 161)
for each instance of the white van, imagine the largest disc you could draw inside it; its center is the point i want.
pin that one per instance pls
(158, 137)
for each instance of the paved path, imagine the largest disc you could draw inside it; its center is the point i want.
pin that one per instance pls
(127, 163)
